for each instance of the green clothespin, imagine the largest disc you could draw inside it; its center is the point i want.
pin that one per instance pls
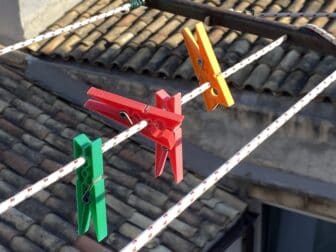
(90, 187)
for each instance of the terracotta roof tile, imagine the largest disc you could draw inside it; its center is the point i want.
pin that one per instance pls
(294, 83)
(35, 128)
(68, 249)
(129, 230)
(7, 233)
(42, 196)
(6, 190)
(69, 133)
(211, 229)
(311, 83)
(86, 244)
(151, 195)
(140, 220)
(184, 229)
(118, 190)
(32, 141)
(57, 207)
(55, 154)
(36, 174)
(11, 128)
(13, 178)
(152, 182)
(60, 227)
(144, 207)
(152, 45)
(7, 138)
(35, 140)
(27, 152)
(117, 241)
(115, 220)
(59, 143)
(121, 177)
(176, 243)
(219, 208)
(6, 96)
(3, 105)
(49, 165)
(44, 239)
(160, 248)
(34, 209)
(209, 214)
(63, 191)
(17, 162)
(22, 244)
(17, 219)
(258, 77)
(4, 249)
(120, 207)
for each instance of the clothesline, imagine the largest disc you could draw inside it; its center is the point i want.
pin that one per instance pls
(193, 195)
(75, 164)
(124, 9)
(162, 222)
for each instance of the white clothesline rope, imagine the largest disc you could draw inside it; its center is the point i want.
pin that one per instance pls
(191, 197)
(119, 10)
(154, 229)
(74, 165)
(162, 222)
(198, 191)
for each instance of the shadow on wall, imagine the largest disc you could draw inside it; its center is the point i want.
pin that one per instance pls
(10, 20)
(23, 19)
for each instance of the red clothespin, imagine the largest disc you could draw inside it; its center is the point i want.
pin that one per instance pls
(172, 104)
(164, 123)
(161, 123)
(207, 68)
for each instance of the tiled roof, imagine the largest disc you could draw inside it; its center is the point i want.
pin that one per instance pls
(148, 41)
(36, 131)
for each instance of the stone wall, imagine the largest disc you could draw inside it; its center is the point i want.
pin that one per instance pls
(23, 19)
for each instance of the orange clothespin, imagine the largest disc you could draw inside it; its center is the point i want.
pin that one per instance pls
(207, 68)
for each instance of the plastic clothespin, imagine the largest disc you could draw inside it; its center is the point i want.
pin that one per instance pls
(207, 68)
(127, 112)
(90, 187)
(171, 104)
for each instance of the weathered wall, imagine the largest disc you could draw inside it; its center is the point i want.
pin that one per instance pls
(318, 208)
(22, 19)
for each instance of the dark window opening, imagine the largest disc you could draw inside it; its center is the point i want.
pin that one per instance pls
(286, 231)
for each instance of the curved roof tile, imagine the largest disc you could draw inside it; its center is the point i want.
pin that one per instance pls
(36, 132)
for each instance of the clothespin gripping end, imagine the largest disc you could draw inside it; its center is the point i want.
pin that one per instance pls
(90, 187)
(207, 68)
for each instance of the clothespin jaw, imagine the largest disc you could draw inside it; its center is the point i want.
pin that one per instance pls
(127, 112)
(207, 68)
(171, 104)
(90, 187)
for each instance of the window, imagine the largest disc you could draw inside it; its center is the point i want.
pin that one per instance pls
(285, 231)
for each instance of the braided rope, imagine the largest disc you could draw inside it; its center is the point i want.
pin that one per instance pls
(120, 10)
(198, 191)
(154, 229)
(72, 166)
